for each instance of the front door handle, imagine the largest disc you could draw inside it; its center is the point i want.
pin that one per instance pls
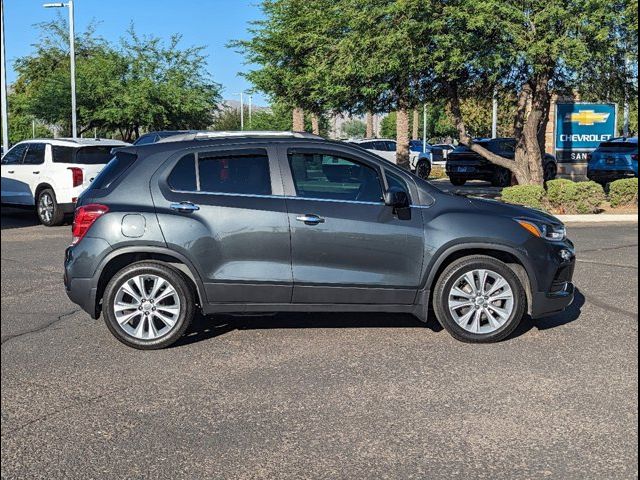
(11, 171)
(185, 207)
(36, 172)
(310, 219)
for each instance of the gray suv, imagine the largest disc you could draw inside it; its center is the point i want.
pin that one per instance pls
(274, 222)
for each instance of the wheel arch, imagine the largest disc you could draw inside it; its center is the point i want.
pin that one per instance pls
(120, 258)
(516, 260)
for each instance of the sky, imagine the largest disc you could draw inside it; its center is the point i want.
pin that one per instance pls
(210, 23)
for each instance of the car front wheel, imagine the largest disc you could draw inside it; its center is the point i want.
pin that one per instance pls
(479, 299)
(148, 305)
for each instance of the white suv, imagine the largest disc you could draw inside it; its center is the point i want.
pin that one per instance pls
(50, 174)
(385, 148)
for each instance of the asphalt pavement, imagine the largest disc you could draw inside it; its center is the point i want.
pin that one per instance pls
(322, 396)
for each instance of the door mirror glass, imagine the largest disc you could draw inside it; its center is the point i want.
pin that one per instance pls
(396, 197)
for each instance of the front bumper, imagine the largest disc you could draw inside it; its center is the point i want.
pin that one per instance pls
(559, 295)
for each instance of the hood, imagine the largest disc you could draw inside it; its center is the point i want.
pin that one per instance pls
(513, 211)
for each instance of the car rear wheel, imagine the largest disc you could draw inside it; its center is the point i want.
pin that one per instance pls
(479, 299)
(423, 169)
(49, 212)
(148, 305)
(457, 181)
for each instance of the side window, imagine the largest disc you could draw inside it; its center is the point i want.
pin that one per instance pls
(391, 146)
(330, 177)
(246, 174)
(183, 175)
(15, 155)
(35, 154)
(62, 154)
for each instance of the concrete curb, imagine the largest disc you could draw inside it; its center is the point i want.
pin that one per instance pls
(600, 218)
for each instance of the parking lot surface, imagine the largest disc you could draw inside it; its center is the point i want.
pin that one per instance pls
(319, 395)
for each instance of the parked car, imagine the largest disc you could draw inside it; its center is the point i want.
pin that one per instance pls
(153, 137)
(50, 174)
(613, 160)
(387, 148)
(463, 164)
(434, 155)
(291, 222)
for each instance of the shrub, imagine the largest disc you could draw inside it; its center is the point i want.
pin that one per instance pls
(624, 192)
(558, 193)
(528, 195)
(585, 197)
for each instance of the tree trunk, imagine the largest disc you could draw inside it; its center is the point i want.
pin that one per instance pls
(416, 125)
(402, 136)
(315, 124)
(370, 133)
(298, 120)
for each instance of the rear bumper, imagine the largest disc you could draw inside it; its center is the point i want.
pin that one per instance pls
(82, 292)
(610, 175)
(67, 208)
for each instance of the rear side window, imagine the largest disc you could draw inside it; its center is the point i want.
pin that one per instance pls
(119, 164)
(94, 155)
(183, 175)
(243, 174)
(35, 154)
(62, 154)
(218, 172)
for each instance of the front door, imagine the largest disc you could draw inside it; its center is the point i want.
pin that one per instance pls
(347, 245)
(14, 189)
(225, 211)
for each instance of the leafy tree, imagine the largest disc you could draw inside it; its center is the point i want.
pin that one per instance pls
(354, 129)
(141, 84)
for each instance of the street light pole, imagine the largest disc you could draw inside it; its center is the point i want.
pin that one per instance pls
(3, 85)
(494, 122)
(250, 112)
(72, 55)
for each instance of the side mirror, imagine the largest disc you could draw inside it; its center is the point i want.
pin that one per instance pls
(396, 198)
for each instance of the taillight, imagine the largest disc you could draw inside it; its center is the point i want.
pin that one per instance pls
(83, 219)
(77, 176)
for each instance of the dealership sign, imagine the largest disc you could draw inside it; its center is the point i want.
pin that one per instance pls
(581, 127)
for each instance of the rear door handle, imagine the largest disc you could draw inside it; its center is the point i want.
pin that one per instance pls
(36, 172)
(310, 219)
(185, 207)
(11, 171)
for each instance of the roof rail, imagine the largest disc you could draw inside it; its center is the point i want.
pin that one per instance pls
(238, 134)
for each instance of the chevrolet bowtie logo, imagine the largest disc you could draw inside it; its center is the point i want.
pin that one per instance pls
(587, 117)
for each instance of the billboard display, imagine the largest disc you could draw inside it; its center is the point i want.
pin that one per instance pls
(581, 127)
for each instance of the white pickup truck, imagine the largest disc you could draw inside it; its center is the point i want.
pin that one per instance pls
(50, 174)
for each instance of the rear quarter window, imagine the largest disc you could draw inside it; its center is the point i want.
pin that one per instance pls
(116, 167)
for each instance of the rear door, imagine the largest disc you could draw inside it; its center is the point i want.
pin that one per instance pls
(347, 246)
(224, 210)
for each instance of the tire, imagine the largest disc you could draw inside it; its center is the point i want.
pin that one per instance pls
(49, 212)
(550, 171)
(423, 169)
(144, 329)
(501, 178)
(457, 181)
(453, 319)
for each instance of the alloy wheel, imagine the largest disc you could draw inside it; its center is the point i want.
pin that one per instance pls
(481, 301)
(46, 207)
(147, 307)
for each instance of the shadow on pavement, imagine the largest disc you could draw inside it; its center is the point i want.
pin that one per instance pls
(17, 218)
(571, 314)
(204, 328)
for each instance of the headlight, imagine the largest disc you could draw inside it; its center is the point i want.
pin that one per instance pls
(553, 233)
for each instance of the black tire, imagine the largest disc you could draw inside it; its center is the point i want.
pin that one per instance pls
(457, 181)
(423, 169)
(184, 292)
(447, 281)
(550, 172)
(49, 212)
(501, 178)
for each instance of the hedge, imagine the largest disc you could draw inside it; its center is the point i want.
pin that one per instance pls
(561, 196)
(623, 192)
(527, 195)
